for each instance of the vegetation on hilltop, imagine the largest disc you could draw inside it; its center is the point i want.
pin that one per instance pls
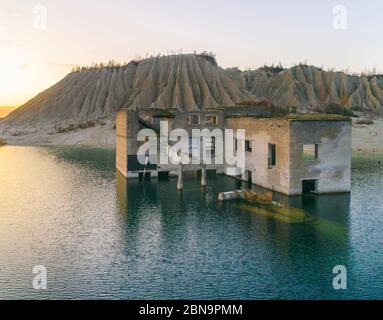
(272, 69)
(111, 64)
(115, 65)
(209, 56)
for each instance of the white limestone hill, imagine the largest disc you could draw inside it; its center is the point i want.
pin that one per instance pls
(308, 87)
(186, 82)
(191, 82)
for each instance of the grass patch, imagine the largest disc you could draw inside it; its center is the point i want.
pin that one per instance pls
(334, 108)
(317, 117)
(365, 121)
(88, 124)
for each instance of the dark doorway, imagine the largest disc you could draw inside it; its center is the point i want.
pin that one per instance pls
(309, 186)
(249, 178)
(238, 184)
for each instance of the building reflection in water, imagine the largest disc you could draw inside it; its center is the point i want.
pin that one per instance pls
(156, 212)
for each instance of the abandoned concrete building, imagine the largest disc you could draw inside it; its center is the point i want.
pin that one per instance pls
(292, 154)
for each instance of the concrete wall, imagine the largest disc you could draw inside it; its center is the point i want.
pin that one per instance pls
(127, 128)
(181, 121)
(261, 132)
(121, 141)
(332, 169)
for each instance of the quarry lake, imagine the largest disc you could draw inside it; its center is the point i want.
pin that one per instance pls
(102, 237)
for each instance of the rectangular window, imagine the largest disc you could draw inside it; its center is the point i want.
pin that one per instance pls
(272, 155)
(248, 146)
(310, 152)
(193, 120)
(211, 120)
(235, 144)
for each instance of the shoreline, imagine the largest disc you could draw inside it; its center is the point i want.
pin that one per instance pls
(366, 139)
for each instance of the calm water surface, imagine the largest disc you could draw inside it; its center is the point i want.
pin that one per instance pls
(103, 237)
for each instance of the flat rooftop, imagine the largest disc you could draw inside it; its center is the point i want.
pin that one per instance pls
(244, 112)
(316, 117)
(296, 117)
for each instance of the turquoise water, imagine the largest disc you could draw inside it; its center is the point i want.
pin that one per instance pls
(103, 237)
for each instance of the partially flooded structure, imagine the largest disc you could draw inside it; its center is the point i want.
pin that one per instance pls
(292, 154)
(298, 153)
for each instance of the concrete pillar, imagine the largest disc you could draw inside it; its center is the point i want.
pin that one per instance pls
(203, 175)
(127, 128)
(180, 180)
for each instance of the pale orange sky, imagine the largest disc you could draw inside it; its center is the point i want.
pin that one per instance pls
(243, 33)
(4, 111)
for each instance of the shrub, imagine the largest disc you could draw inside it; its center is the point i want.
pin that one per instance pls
(365, 121)
(334, 108)
(163, 113)
(272, 69)
(73, 127)
(3, 142)
(62, 130)
(87, 124)
(293, 110)
(111, 65)
(270, 109)
(209, 56)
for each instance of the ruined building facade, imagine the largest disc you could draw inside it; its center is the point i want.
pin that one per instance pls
(291, 154)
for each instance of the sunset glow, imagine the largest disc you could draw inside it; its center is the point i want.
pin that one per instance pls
(40, 43)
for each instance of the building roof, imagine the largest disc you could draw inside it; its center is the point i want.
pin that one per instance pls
(293, 117)
(316, 117)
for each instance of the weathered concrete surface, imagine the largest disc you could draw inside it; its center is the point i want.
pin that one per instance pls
(332, 168)
(261, 132)
(231, 195)
(127, 128)
(121, 142)
(332, 134)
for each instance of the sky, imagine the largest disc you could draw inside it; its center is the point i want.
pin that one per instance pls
(40, 41)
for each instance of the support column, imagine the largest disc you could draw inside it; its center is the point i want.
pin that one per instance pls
(203, 175)
(180, 180)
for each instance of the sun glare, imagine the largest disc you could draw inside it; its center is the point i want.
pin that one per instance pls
(11, 78)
